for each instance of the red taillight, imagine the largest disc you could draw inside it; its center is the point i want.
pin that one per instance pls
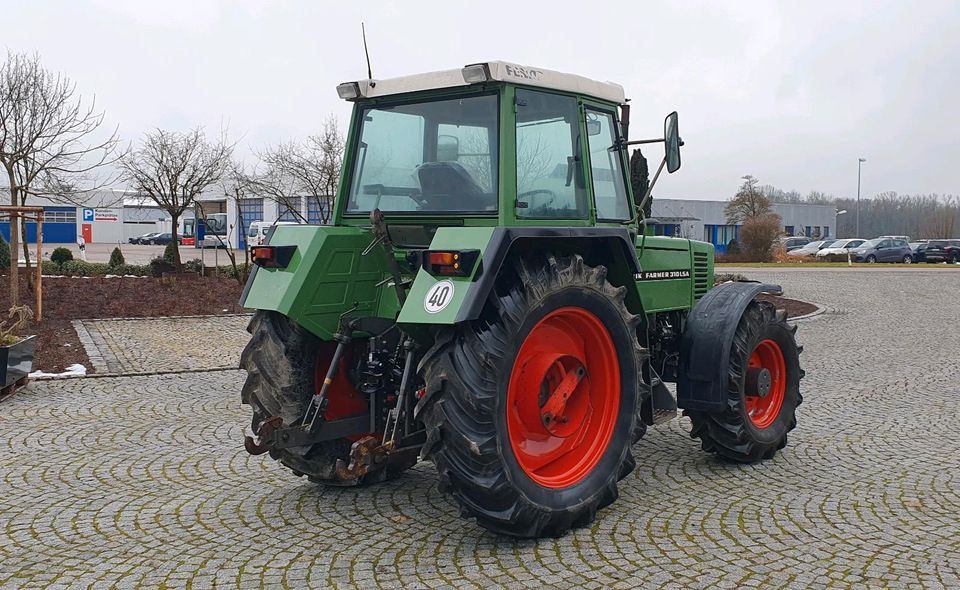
(272, 256)
(457, 263)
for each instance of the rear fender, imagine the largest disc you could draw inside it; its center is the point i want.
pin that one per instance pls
(706, 341)
(467, 295)
(326, 276)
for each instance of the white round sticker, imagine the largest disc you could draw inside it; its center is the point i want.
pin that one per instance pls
(438, 297)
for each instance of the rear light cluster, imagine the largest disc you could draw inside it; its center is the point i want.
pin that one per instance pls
(450, 263)
(272, 256)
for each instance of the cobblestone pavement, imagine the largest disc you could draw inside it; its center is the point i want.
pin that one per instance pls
(164, 344)
(143, 481)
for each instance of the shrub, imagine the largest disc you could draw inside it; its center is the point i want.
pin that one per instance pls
(61, 255)
(758, 235)
(4, 254)
(79, 268)
(116, 258)
(194, 265)
(160, 265)
(169, 253)
(733, 248)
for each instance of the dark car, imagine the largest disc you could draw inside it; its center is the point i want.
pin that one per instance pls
(144, 239)
(161, 239)
(919, 250)
(883, 250)
(942, 251)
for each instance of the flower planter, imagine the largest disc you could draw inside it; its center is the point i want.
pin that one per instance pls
(16, 360)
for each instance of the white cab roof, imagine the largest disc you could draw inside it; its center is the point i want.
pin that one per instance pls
(499, 71)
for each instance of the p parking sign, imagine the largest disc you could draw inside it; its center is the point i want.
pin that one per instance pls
(87, 215)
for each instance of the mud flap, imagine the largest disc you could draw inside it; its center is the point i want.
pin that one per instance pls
(705, 344)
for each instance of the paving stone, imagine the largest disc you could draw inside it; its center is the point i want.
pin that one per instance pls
(142, 481)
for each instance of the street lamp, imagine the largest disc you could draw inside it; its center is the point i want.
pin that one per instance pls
(860, 162)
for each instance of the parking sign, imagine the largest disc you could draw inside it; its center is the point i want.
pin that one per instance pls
(87, 215)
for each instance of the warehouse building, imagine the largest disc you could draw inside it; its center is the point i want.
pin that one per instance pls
(115, 216)
(706, 220)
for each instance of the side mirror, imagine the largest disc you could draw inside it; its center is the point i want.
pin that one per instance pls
(448, 148)
(671, 135)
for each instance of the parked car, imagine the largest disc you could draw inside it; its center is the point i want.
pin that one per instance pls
(839, 248)
(919, 250)
(791, 243)
(162, 239)
(144, 239)
(257, 232)
(811, 248)
(883, 250)
(943, 251)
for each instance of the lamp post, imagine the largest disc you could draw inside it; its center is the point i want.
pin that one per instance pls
(860, 162)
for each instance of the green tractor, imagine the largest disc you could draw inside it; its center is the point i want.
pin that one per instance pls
(490, 297)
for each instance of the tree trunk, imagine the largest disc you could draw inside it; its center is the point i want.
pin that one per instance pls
(14, 244)
(174, 234)
(26, 251)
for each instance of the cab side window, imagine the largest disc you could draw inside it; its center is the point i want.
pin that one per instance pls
(550, 183)
(609, 188)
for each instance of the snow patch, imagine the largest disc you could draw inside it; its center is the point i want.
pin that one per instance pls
(76, 370)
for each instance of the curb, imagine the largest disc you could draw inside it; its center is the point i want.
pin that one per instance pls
(166, 317)
(821, 309)
(89, 346)
(135, 374)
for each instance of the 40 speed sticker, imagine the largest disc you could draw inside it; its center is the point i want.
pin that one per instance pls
(438, 297)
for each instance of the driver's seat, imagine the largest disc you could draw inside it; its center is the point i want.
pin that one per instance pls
(447, 186)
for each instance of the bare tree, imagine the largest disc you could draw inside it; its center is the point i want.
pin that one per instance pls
(173, 169)
(50, 140)
(309, 168)
(238, 184)
(750, 202)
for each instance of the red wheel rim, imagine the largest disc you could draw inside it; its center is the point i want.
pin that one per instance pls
(563, 397)
(763, 411)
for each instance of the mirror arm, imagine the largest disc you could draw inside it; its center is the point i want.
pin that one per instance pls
(641, 141)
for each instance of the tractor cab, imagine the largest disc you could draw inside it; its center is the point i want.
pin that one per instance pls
(491, 143)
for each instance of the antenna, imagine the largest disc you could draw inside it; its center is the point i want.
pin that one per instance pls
(363, 29)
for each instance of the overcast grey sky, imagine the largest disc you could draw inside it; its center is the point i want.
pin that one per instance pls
(791, 92)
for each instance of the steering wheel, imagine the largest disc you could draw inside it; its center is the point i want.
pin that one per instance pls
(540, 191)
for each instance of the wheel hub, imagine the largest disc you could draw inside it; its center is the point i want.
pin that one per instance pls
(758, 382)
(564, 379)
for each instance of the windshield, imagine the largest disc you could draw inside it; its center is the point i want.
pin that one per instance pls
(831, 244)
(871, 243)
(437, 156)
(936, 243)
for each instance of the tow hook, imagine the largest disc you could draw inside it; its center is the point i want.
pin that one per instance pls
(264, 433)
(366, 455)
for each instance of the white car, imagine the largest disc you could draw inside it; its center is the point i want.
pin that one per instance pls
(840, 247)
(810, 249)
(257, 232)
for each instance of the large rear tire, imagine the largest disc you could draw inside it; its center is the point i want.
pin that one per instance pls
(285, 364)
(531, 410)
(754, 427)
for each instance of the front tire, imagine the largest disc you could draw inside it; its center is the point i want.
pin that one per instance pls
(871, 259)
(531, 410)
(908, 259)
(754, 427)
